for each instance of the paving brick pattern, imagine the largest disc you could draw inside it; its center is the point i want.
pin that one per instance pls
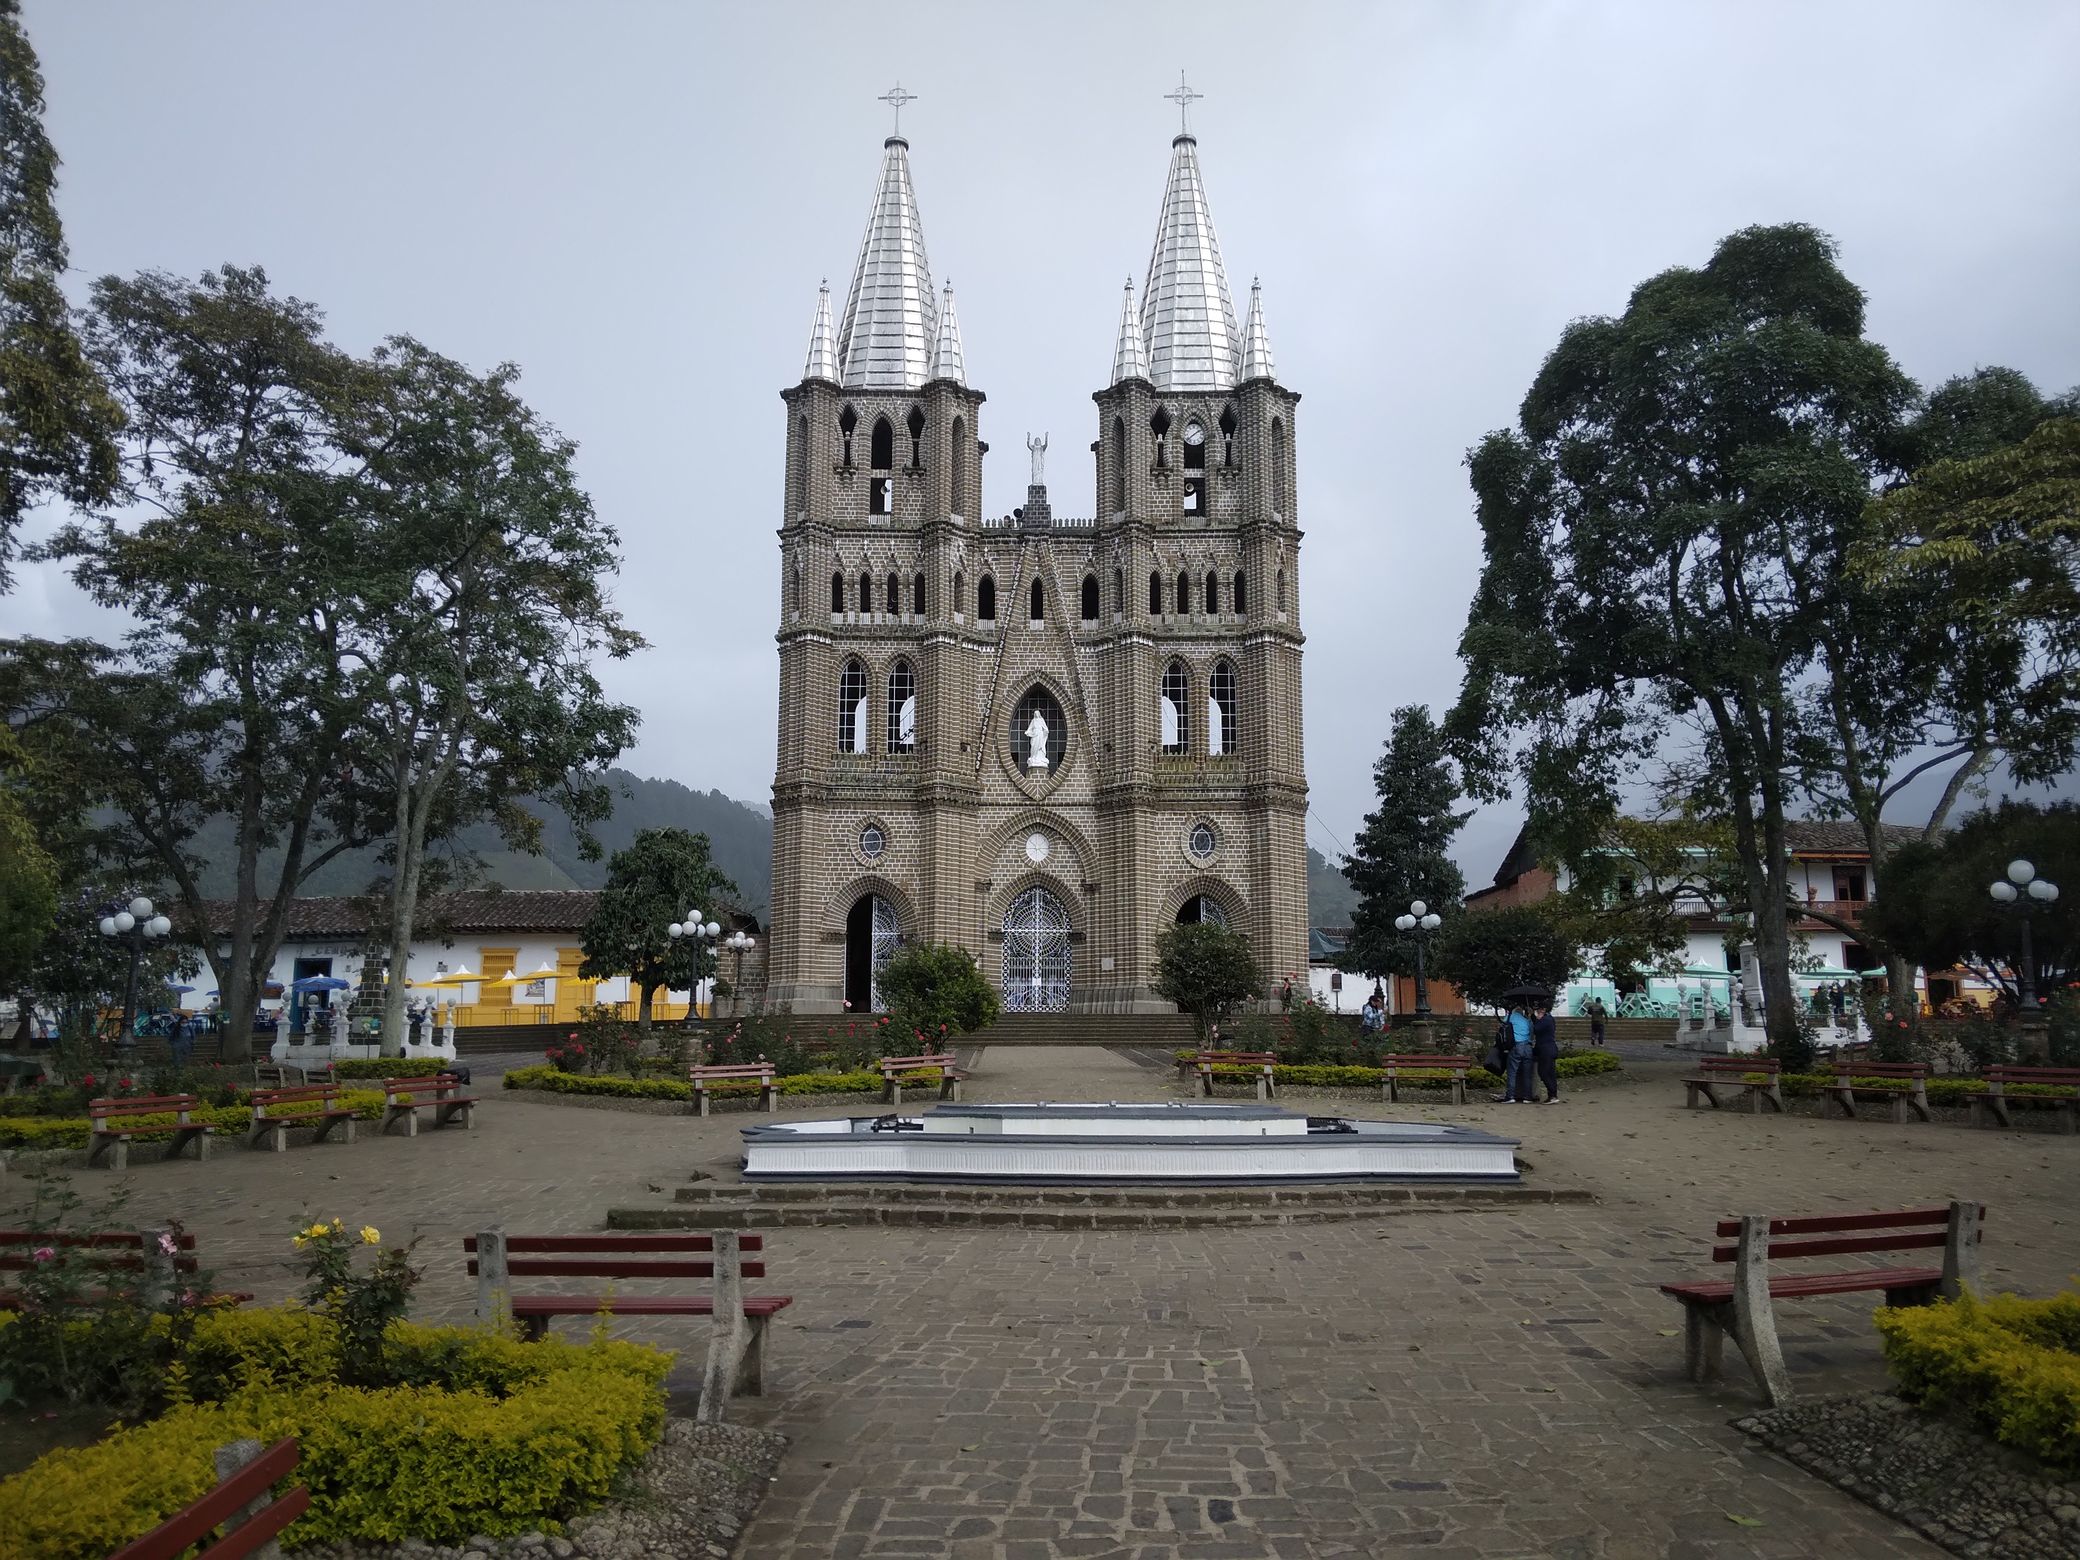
(1444, 1384)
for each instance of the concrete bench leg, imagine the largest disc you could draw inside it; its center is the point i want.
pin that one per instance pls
(1754, 1322)
(1704, 1340)
(700, 1101)
(751, 1372)
(770, 1097)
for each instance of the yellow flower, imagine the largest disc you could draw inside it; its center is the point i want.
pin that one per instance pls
(370, 1235)
(338, 1228)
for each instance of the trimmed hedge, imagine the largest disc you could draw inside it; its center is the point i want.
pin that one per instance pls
(1941, 1091)
(553, 1080)
(72, 1131)
(2012, 1365)
(1577, 1064)
(482, 1434)
(388, 1066)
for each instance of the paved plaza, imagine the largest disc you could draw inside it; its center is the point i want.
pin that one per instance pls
(1449, 1384)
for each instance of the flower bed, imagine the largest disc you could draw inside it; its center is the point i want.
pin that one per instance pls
(2010, 1365)
(553, 1080)
(72, 1131)
(470, 1432)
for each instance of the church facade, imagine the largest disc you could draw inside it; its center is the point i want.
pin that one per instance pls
(1041, 737)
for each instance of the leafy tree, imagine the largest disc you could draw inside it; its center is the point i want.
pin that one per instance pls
(1208, 970)
(660, 876)
(1628, 899)
(1663, 535)
(936, 991)
(488, 563)
(57, 420)
(1937, 910)
(28, 893)
(1486, 952)
(1404, 851)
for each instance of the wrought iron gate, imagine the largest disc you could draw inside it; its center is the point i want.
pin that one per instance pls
(888, 936)
(1036, 954)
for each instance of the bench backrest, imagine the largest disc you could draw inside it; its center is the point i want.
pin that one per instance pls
(1738, 1065)
(114, 1250)
(759, 1069)
(1434, 1063)
(2061, 1077)
(1839, 1234)
(616, 1256)
(299, 1094)
(1236, 1058)
(396, 1086)
(1867, 1069)
(176, 1534)
(905, 1063)
(143, 1105)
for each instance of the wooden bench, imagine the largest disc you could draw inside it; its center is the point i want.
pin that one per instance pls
(1741, 1306)
(737, 1343)
(148, 1264)
(1263, 1061)
(293, 1103)
(280, 1075)
(893, 1067)
(1734, 1072)
(1844, 1092)
(243, 1503)
(106, 1132)
(403, 1098)
(1992, 1102)
(761, 1070)
(1422, 1071)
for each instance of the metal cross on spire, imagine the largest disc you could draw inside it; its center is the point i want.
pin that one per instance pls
(1184, 97)
(896, 100)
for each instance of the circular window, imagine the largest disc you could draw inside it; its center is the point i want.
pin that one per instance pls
(1039, 734)
(872, 842)
(1037, 848)
(1202, 840)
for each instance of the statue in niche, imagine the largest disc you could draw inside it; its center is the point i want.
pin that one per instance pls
(1036, 742)
(1037, 448)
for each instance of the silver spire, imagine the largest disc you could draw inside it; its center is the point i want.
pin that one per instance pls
(1130, 355)
(1256, 341)
(948, 361)
(891, 317)
(1187, 316)
(823, 347)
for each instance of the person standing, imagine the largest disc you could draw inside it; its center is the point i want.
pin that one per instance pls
(1514, 1039)
(1545, 1052)
(1597, 1014)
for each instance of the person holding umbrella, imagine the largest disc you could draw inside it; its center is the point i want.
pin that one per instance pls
(1516, 1088)
(1545, 1049)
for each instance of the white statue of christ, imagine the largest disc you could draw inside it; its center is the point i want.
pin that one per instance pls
(1036, 741)
(1037, 448)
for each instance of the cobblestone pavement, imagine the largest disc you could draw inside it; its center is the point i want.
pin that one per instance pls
(1442, 1384)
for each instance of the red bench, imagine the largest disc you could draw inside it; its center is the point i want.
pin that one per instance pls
(1736, 1072)
(1263, 1061)
(893, 1067)
(1992, 1102)
(243, 1503)
(104, 1118)
(136, 1261)
(761, 1070)
(320, 1105)
(737, 1345)
(1741, 1306)
(404, 1098)
(1910, 1091)
(1423, 1071)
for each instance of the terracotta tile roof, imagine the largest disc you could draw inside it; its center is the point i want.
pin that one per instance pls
(490, 910)
(1839, 836)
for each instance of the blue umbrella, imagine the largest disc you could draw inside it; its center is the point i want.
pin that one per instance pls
(320, 983)
(172, 986)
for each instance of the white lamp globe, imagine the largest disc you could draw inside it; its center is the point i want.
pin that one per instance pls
(1432, 922)
(692, 918)
(1419, 909)
(2004, 892)
(159, 926)
(108, 926)
(125, 920)
(2044, 891)
(713, 929)
(2020, 872)
(1404, 923)
(141, 907)
(675, 930)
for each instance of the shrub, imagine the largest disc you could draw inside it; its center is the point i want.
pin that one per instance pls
(2012, 1365)
(360, 1303)
(552, 1081)
(1581, 1064)
(386, 1067)
(935, 991)
(61, 1132)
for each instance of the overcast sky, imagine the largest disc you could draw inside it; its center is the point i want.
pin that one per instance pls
(636, 202)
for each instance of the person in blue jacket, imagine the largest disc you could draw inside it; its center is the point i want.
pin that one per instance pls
(1516, 1087)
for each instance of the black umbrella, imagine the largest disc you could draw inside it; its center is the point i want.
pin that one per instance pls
(1517, 994)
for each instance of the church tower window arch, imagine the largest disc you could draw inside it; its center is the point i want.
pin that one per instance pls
(916, 426)
(986, 600)
(1175, 708)
(960, 593)
(1194, 445)
(852, 708)
(892, 594)
(866, 592)
(1155, 594)
(1119, 465)
(957, 468)
(1238, 599)
(848, 421)
(1159, 425)
(882, 451)
(1222, 737)
(902, 708)
(1212, 595)
(1090, 598)
(1278, 466)
(801, 462)
(1227, 426)
(917, 594)
(1039, 601)
(1184, 594)
(837, 593)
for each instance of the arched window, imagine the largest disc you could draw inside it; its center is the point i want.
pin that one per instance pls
(883, 453)
(1221, 735)
(1227, 436)
(1213, 594)
(1119, 592)
(1281, 590)
(837, 593)
(848, 420)
(892, 595)
(1176, 708)
(1278, 466)
(916, 427)
(960, 592)
(1184, 594)
(957, 468)
(1090, 598)
(1194, 445)
(866, 592)
(902, 708)
(986, 600)
(797, 587)
(852, 709)
(917, 595)
(1238, 602)
(1159, 425)
(1039, 602)
(1119, 464)
(1155, 595)
(801, 461)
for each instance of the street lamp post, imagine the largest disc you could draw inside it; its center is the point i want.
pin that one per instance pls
(699, 932)
(739, 943)
(135, 927)
(2019, 888)
(1421, 920)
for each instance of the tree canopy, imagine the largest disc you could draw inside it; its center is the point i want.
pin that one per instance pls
(1486, 952)
(1208, 970)
(936, 992)
(661, 876)
(1403, 853)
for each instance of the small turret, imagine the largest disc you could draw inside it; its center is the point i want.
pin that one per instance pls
(948, 360)
(823, 345)
(1256, 341)
(1130, 353)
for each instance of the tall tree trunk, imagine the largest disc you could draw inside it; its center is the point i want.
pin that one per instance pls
(643, 1009)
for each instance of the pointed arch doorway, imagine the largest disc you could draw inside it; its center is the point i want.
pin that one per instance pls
(872, 934)
(1036, 953)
